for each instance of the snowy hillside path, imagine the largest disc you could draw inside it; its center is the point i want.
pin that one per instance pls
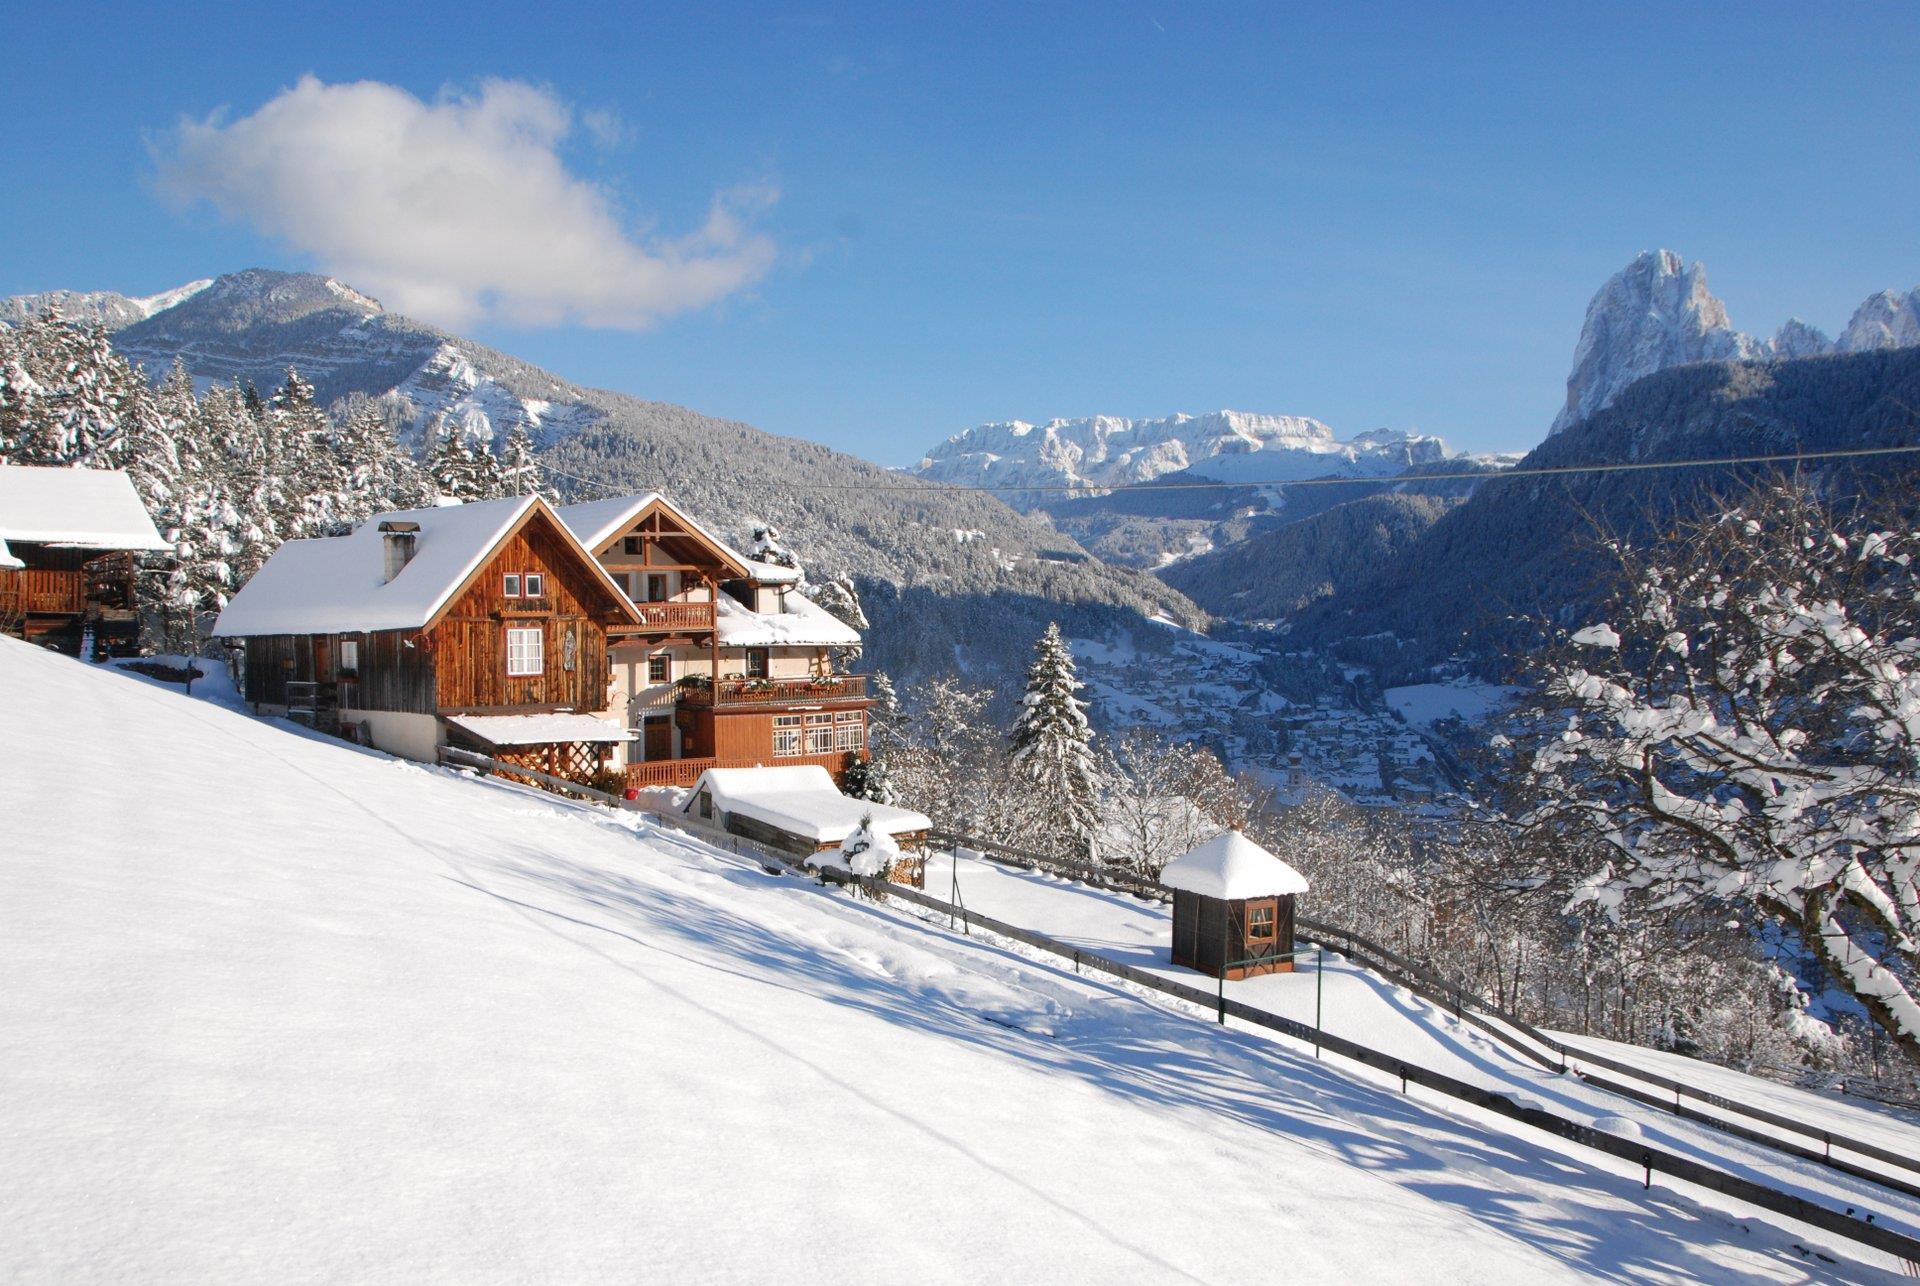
(278, 1009)
(1364, 1007)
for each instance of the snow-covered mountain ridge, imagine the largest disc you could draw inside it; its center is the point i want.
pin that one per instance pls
(112, 310)
(1657, 312)
(1114, 451)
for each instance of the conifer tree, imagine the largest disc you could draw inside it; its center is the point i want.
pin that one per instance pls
(1053, 749)
(519, 472)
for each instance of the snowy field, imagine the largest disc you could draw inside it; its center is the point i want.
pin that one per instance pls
(1422, 705)
(276, 1009)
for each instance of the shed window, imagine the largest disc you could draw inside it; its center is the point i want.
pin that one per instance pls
(659, 669)
(1260, 921)
(786, 734)
(536, 585)
(526, 652)
(510, 585)
(349, 658)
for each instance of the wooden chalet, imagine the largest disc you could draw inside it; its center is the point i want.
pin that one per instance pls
(71, 541)
(1232, 908)
(481, 625)
(728, 665)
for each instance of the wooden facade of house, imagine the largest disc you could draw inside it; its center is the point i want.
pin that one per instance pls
(694, 699)
(521, 631)
(71, 545)
(1238, 939)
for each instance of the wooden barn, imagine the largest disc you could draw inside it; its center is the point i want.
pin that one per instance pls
(70, 547)
(1232, 908)
(483, 625)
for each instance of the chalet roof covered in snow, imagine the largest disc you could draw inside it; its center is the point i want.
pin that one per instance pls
(7, 560)
(801, 800)
(538, 729)
(76, 508)
(596, 522)
(338, 583)
(801, 622)
(1232, 867)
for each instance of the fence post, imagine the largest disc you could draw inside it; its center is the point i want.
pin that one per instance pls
(1319, 988)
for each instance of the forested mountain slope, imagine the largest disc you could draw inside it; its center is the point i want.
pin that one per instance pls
(1527, 546)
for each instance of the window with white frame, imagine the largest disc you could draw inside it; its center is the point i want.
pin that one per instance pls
(849, 730)
(526, 652)
(535, 584)
(510, 585)
(786, 734)
(819, 734)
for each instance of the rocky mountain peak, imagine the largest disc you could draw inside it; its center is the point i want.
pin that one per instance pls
(1886, 320)
(1655, 313)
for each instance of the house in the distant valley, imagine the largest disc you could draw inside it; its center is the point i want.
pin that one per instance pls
(799, 810)
(480, 625)
(729, 665)
(70, 546)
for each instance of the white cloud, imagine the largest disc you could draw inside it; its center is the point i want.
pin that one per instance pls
(458, 209)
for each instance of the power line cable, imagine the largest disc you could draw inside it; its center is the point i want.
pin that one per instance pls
(1544, 471)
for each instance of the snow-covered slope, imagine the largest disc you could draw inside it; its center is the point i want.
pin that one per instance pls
(275, 1008)
(1112, 451)
(1657, 312)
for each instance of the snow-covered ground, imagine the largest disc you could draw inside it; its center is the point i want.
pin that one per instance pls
(275, 1008)
(1360, 1005)
(1424, 704)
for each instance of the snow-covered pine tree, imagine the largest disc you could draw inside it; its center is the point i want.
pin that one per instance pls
(314, 477)
(1053, 749)
(520, 473)
(485, 481)
(449, 464)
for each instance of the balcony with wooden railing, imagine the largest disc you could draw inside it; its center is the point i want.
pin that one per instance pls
(37, 590)
(826, 689)
(685, 772)
(668, 618)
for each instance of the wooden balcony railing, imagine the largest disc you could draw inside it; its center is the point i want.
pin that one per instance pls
(38, 590)
(658, 617)
(685, 772)
(767, 692)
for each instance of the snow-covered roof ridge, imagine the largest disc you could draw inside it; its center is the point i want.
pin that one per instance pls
(80, 508)
(337, 583)
(1232, 867)
(801, 799)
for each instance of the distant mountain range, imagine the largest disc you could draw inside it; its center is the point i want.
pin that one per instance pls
(1657, 313)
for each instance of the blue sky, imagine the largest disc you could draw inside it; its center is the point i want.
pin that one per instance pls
(1383, 216)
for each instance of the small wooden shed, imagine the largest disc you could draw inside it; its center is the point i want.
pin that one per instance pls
(1232, 908)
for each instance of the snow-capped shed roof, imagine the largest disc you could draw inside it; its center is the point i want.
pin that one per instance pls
(7, 560)
(538, 729)
(800, 622)
(337, 584)
(800, 799)
(77, 508)
(1232, 867)
(595, 522)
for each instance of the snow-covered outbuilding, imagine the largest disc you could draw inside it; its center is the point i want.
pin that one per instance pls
(797, 809)
(70, 543)
(1232, 908)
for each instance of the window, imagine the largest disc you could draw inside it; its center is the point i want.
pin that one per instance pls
(536, 585)
(786, 734)
(631, 545)
(349, 658)
(510, 585)
(849, 730)
(656, 588)
(756, 663)
(1260, 921)
(526, 652)
(819, 734)
(660, 669)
